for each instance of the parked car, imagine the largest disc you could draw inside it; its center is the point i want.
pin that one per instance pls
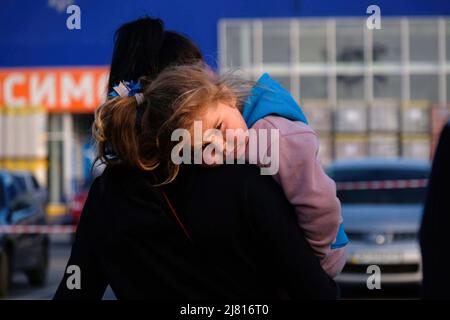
(21, 252)
(27, 183)
(78, 200)
(382, 203)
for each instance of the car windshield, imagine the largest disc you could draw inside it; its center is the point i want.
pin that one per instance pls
(21, 183)
(350, 193)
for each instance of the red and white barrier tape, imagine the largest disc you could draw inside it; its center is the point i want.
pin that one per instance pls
(34, 229)
(382, 184)
(356, 185)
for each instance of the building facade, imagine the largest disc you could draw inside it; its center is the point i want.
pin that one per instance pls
(367, 92)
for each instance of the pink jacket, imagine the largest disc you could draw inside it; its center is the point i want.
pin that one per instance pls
(308, 188)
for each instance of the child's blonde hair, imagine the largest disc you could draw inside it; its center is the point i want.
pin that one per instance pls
(173, 100)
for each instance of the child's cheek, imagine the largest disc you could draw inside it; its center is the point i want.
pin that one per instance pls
(213, 160)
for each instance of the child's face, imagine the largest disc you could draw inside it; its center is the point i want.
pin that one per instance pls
(229, 121)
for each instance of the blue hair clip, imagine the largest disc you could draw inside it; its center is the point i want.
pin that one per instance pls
(128, 89)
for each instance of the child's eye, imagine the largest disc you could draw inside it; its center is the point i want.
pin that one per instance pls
(219, 126)
(204, 145)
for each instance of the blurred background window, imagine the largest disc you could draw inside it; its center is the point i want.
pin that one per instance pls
(387, 86)
(448, 87)
(387, 42)
(350, 41)
(424, 88)
(350, 87)
(423, 41)
(276, 42)
(447, 39)
(239, 48)
(312, 42)
(313, 87)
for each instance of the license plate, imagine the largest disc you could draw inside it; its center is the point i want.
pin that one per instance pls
(376, 257)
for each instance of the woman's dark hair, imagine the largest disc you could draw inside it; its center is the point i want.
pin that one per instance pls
(143, 48)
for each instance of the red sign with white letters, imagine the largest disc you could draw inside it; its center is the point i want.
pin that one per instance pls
(74, 90)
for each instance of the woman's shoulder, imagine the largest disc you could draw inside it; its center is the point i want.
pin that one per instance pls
(228, 173)
(120, 184)
(231, 179)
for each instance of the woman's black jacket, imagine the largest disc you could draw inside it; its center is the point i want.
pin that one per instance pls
(245, 239)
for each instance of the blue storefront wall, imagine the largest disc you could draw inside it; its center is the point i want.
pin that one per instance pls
(34, 33)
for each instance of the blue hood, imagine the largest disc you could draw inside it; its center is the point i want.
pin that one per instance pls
(268, 97)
